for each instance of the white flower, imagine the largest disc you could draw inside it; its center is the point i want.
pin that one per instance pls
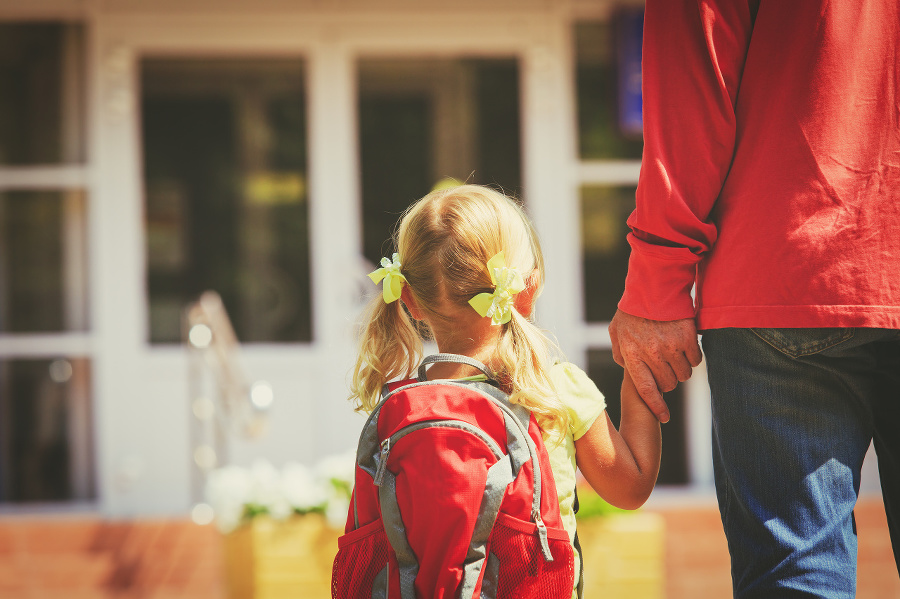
(228, 491)
(301, 489)
(336, 512)
(237, 493)
(264, 479)
(339, 468)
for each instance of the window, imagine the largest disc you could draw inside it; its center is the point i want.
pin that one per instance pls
(608, 85)
(608, 90)
(43, 273)
(41, 96)
(226, 194)
(46, 436)
(45, 430)
(605, 250)
(425, 120)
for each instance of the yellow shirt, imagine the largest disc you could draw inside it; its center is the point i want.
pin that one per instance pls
(585, 403)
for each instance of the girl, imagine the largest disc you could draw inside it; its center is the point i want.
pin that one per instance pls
(467, 272)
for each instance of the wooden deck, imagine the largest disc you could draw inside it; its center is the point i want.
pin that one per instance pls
(79, 557)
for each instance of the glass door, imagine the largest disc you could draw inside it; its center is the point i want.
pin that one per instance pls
(425, 122)
(225, 183)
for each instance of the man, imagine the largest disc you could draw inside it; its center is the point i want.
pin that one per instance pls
(770, 187)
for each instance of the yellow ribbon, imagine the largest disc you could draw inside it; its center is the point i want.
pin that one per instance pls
(507, 283)
(393, 278)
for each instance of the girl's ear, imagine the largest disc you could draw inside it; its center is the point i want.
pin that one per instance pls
(409, 301)
(524, 301)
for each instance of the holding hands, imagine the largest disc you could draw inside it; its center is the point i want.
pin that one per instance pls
(657, 354)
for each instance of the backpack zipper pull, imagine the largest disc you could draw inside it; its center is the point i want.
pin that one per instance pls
(542, 535)
(382, 462)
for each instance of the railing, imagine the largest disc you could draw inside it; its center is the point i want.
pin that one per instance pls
(223, 404)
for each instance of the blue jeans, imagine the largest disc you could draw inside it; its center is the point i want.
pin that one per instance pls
(794, 411)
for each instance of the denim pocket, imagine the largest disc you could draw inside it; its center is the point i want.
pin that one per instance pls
(804, 342)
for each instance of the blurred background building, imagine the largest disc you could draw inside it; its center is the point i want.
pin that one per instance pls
(151, 150)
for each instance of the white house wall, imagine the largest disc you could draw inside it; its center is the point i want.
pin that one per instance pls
(143, 446)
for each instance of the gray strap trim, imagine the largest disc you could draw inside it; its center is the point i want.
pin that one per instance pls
(381, 582)
(521, 417)
(491, 576)
(520, 411)
(396, 534)
(499, 476)
(516, 446)
(368, 439)
(456, 359)
(369, 445)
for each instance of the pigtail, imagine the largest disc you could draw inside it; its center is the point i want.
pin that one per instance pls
(525, 353)
(389, 347)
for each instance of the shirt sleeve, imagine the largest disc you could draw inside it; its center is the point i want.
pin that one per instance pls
(583, 399)
(693, 58)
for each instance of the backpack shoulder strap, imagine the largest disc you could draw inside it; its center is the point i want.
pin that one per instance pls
(453, 358)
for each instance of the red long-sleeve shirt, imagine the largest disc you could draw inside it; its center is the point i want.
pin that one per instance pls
(771, 166)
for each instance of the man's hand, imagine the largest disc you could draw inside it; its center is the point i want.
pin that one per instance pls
(657, 355)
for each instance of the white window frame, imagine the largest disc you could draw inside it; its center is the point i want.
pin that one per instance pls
(64, 177)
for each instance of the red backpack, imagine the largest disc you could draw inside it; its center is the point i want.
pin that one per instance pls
(454, 497)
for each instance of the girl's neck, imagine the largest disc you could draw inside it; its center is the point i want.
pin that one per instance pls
(462, 332)
(450, 370)
(480, 346)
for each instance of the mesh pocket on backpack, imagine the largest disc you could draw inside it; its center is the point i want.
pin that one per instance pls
(362, 554)
(523, 570)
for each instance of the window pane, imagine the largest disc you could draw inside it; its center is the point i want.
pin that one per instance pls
(608, 377)
(226, 201)
(46, 446)
(41, 93)
(607, 59)
(605, 249)
(423, 120)
(43, 275)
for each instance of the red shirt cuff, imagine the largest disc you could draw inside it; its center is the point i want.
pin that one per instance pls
(659, 282)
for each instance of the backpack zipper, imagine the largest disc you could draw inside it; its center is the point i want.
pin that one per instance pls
(389, 442)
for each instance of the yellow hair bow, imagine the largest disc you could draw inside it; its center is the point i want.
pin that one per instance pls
(393, 278)
(507, 283)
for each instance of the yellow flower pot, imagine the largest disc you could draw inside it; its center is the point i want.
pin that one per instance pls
(291, 559)
(280, 559)
(623, 556)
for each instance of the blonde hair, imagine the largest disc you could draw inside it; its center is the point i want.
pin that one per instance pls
(444, 241)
